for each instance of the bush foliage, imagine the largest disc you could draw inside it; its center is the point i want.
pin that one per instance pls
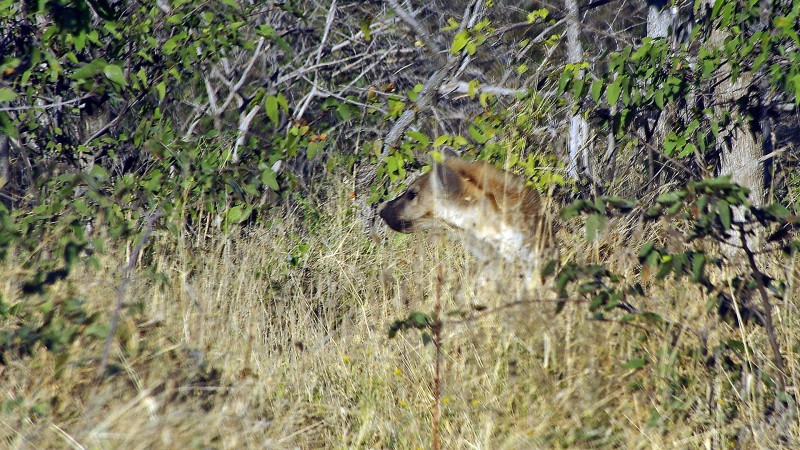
(145, 128)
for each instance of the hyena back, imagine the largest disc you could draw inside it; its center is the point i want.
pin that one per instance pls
(493, 211)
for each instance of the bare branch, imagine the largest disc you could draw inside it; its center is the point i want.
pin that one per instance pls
(422, 32)
(244, 127)
(212, 97)
(46, 106)
(235, 90)
(429, 90)
(462, 87)
(313, 93)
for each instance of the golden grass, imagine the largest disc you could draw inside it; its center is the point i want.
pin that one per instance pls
(235, 347)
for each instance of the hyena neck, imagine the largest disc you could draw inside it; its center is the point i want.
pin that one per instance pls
(488, 235)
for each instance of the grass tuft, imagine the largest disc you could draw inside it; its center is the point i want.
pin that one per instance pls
(276, 337)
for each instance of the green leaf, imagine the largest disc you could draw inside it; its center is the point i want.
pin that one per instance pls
(114, 73)
(283, 102)
(451, 24)
(597, 90)
(796, 81)
(646, 249)
(345, 111)
(664, 268)
(172, 44)
(271, 105)
(269, 178)
(724, 210)
(89, 70)
(635, 363)
(669, 198)
(7, 95)
(698, 263)
(594, 224)
(659, 99)
(612, 93)
(419, 137)
(476, 135)
(97, 330)
(778, 210)
(564, 80)
(722, 182)
(426, 338)
(472, 88)
(419, 319)
(735, 345)
(577, 88)
(234, 214)
(460, 41)
(99, 172)
(652, 317)
(549, 268)
(687, 150)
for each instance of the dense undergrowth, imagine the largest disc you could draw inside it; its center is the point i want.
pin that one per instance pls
(183, 266)
(276, 336)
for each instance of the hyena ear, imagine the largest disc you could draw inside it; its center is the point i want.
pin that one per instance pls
(446, 182)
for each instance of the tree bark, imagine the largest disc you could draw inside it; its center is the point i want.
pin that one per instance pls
(659, 19)
(578, 155)
(741, 146)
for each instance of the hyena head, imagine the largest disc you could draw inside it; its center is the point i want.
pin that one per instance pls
(416, 208)
(488, 207)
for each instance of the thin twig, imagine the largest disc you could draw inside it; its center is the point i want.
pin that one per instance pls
(423, 33)
(436, 330)
(429, 90)
(235, 90)
(310, 96)
(768, 324)
(630, 309)
(47, 106)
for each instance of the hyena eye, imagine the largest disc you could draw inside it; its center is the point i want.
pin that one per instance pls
(411, 195)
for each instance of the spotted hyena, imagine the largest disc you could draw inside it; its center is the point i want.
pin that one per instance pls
(492, 211)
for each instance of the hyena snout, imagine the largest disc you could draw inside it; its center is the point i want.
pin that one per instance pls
(391, 213)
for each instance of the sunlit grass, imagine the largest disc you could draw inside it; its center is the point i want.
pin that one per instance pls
(276, 337)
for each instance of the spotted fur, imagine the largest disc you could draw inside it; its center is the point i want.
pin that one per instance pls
(491, 210)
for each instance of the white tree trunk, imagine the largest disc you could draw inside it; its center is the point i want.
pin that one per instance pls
(741, 148)
(659, 18)
(578, 156)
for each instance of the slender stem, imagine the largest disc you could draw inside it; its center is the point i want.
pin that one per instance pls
(762, 291)
(436, 329)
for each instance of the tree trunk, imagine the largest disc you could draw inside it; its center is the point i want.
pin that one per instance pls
(659, 19)
(578, 156)
(739, 143)
(741, 147)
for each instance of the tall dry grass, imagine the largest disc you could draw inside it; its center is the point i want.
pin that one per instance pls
(276, 337)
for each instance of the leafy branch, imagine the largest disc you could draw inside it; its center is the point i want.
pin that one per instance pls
(713, 210)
